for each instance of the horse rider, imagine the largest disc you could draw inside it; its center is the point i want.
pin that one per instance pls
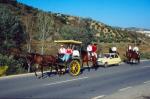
(136, 49)
(89, 50)
(94, 49)
(129, 48)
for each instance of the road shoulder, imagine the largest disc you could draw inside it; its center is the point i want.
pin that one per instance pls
(136, 92)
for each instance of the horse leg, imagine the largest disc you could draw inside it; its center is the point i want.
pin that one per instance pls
(82, 63)
(138, 60)
(36, 68)
(88, 65)
(132, 60)
(58, 69)
(51, 69)
(29, 67)
(42, 70)
(63, 72)
(95, 64)
(129, 61)
(81, 67)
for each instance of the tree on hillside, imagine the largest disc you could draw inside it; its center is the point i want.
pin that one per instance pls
(45, 25)
(29, 27)
(84, 34)
(11, 32)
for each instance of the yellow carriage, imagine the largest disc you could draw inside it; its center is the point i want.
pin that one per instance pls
(74, 63)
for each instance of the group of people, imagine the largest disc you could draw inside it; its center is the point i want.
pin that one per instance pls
(92, 49)
(68, 52)
(135, 48)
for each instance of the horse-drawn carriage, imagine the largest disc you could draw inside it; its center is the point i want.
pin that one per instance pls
(73, 65)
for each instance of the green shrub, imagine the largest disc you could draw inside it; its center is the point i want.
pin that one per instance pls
(14, 66)
(145, 55)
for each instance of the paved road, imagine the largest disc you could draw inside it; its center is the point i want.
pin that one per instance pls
(90, 85)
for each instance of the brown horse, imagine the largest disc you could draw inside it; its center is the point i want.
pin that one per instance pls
(132, 56)
(86, 59)
(41, 61)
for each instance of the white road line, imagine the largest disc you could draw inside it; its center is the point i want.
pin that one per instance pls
(145, 60)
(123, 89)
(145, 67)
(98, 97)
(65, 81)
(147, 82)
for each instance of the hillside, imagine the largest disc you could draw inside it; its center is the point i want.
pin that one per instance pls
(34, 28)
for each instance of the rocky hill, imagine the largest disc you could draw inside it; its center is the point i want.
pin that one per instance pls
(27, 26)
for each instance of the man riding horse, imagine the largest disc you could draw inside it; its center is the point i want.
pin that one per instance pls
(132, 54)
(90, 55)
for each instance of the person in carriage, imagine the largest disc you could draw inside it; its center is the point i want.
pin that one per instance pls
(67, 55)
(75, 52)
(62, 50)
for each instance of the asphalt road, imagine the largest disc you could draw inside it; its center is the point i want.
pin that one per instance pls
(89, 85)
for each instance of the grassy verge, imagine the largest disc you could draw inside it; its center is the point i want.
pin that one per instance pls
(145, 55)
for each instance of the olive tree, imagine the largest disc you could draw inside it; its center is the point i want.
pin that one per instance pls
(45, 25)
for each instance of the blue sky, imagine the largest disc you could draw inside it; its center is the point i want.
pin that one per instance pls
(123, 13)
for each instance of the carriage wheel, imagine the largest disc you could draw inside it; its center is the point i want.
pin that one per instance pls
(74, 68)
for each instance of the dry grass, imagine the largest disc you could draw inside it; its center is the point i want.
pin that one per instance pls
(122, 47)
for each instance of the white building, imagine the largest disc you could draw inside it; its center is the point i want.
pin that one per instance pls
(144, 32)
